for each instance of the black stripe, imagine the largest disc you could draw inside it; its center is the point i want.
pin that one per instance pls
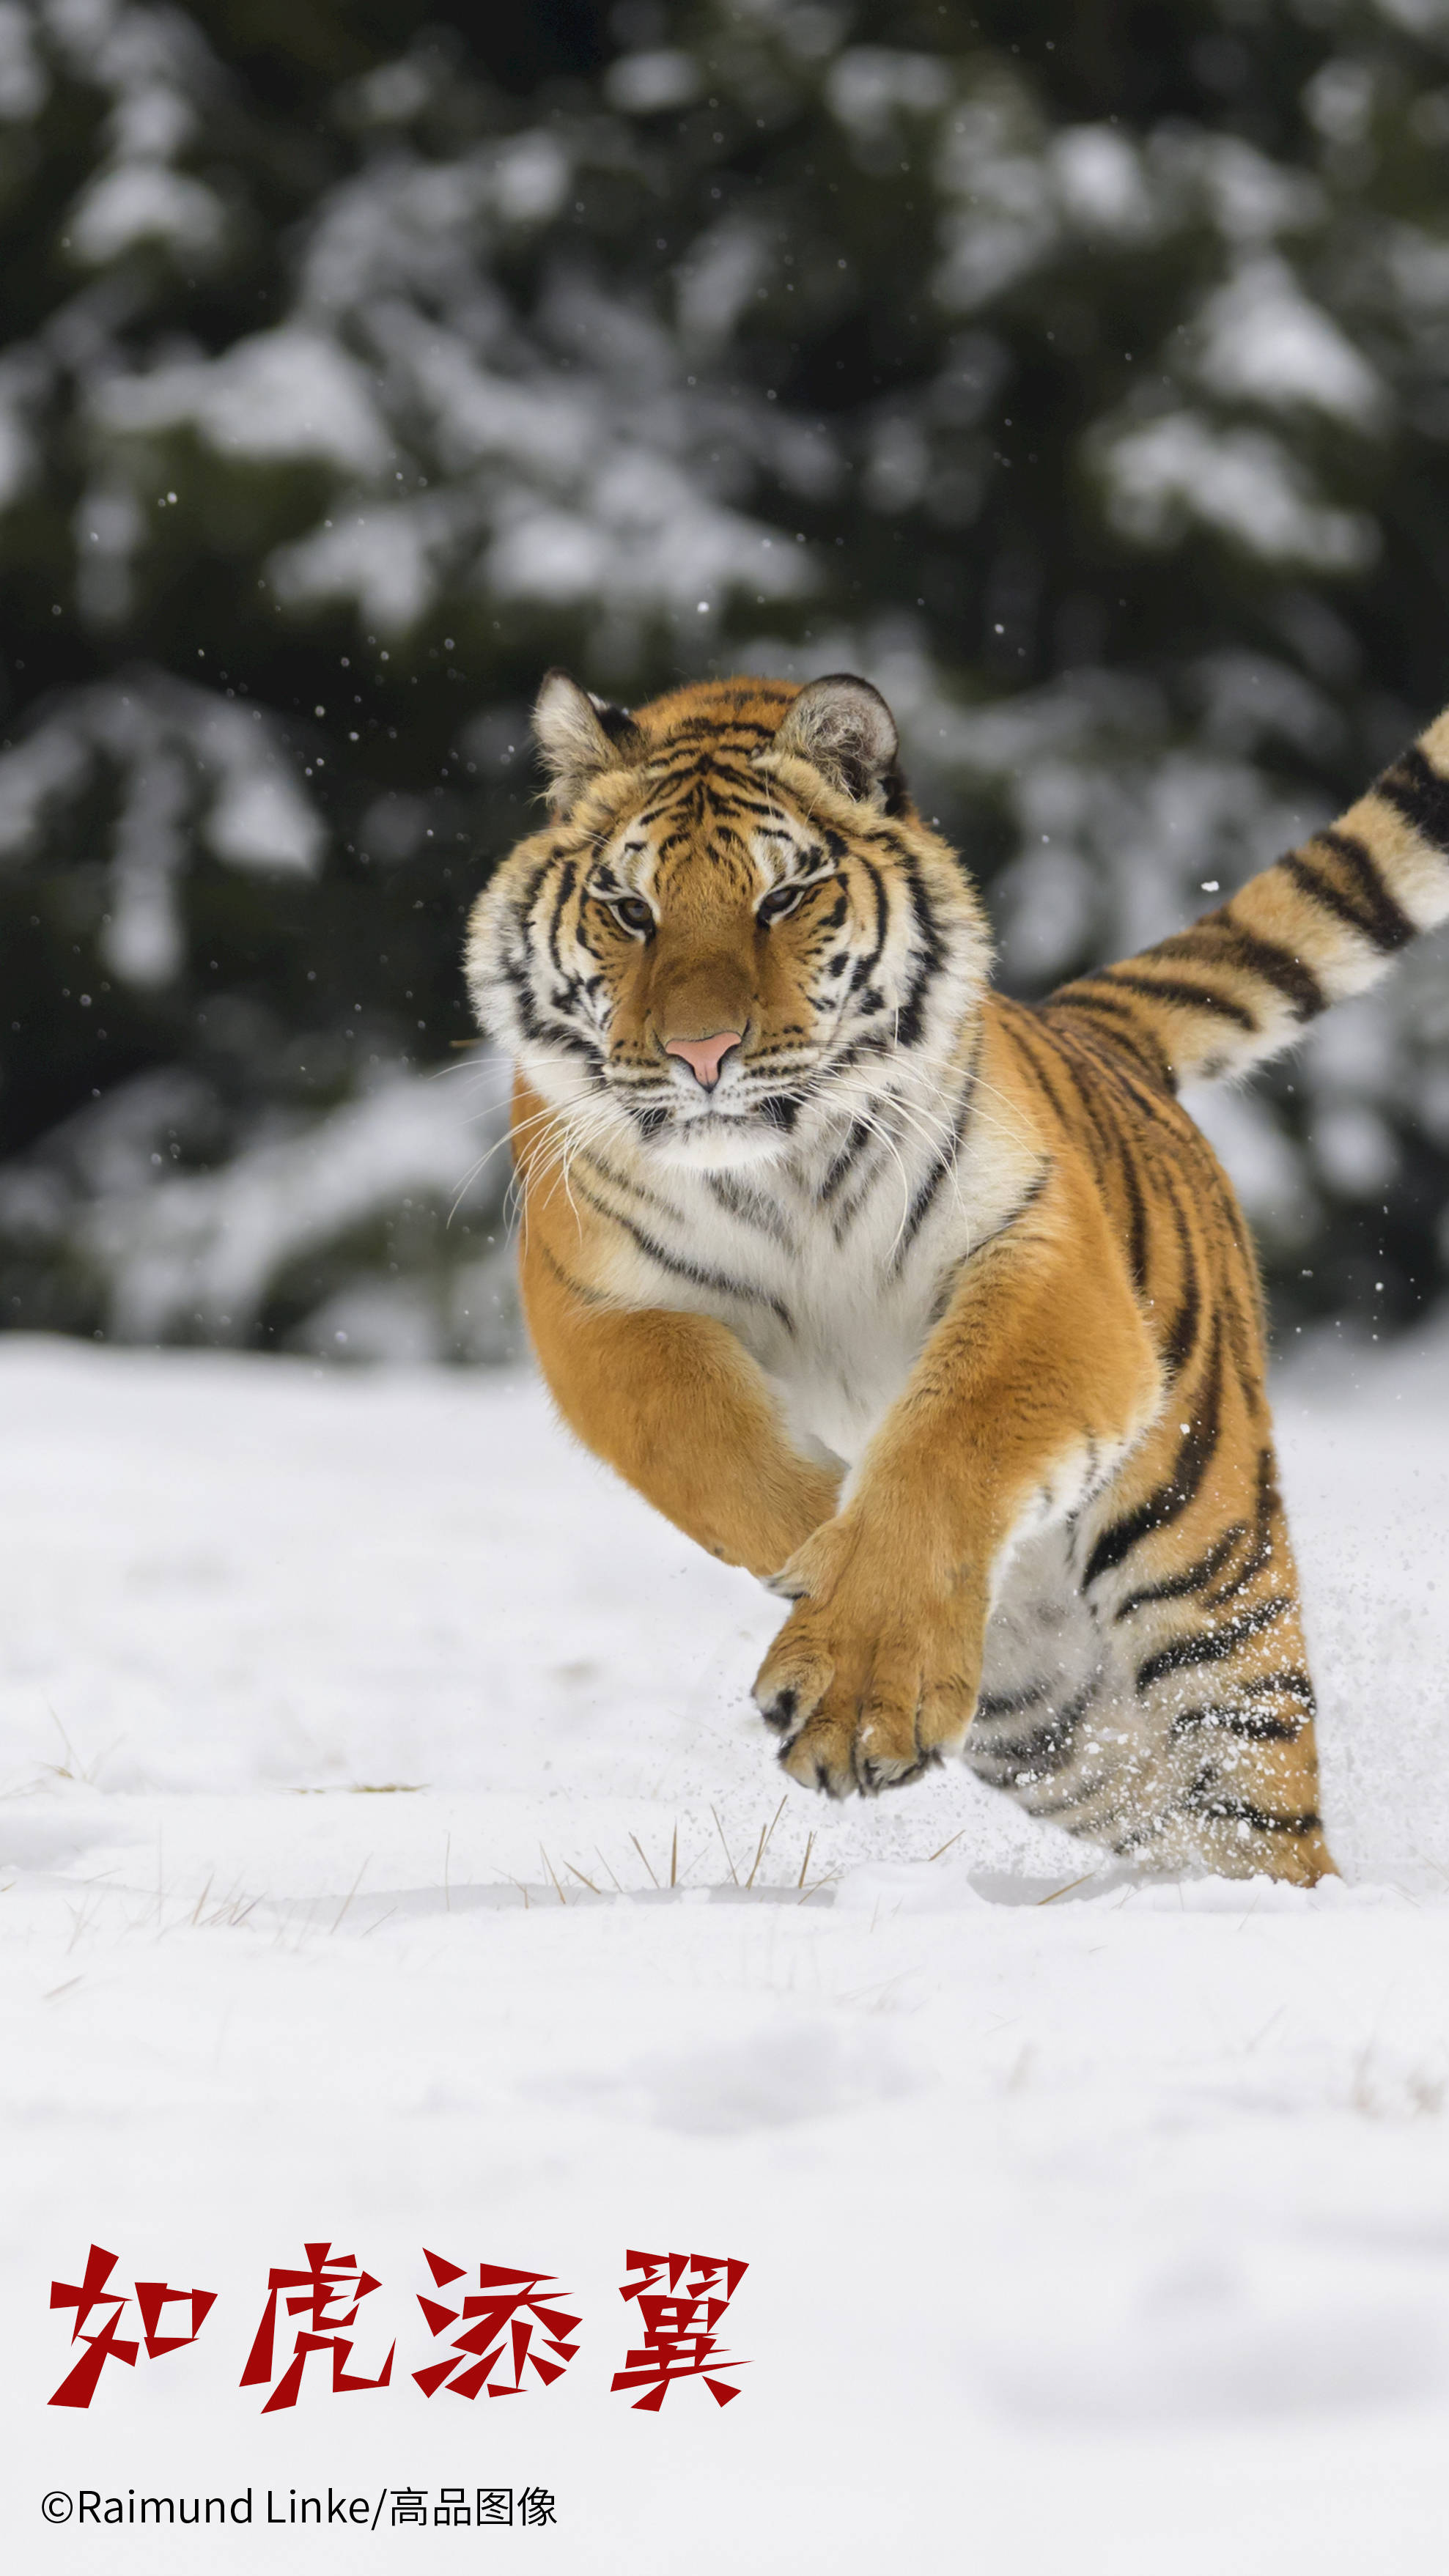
(865, 966)
(567, 879)
(1216, 1803)
(1277, 966)
(1177, 1586)
(1050, 1743)
(1176, 991)
(1261, 1551)
(1370, 909)
(1034, 1066)
(748, 1205)
(1212, 1645)
(947, 1290)
(921, 1205)
(857, 1136)
(1195, 1453)
(1183, 1332)
(1048, 1809)
(1010, 1703)
(912, 1012)
(1240, 1722)
(1420, 795)
(1291, 1681)
(693, 1271)
(1128, 1028)
(1089, 1093)
(1135, 1214)
(575, 1287)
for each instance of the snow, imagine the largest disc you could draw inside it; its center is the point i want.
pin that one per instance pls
(1100, 181)
(256, 813)
(285, 393)
(649, 83)
(1161, 473)
(23, 85)
(1263, 341)
(208, 1248)
(1093, 2226)
(144, 201)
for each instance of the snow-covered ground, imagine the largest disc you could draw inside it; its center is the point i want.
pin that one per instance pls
(380, 1785)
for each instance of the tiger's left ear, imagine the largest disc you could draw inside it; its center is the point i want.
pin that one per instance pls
(844, 728)
(580, 736)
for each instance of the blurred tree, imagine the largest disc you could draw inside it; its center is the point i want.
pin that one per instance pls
(1082, 381)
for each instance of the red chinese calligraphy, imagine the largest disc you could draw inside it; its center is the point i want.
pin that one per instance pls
(107, 2344)
(329, 2283)
(679, 2341)
(505, 2310)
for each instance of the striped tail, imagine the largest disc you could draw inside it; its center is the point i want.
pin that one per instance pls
(1318, 925)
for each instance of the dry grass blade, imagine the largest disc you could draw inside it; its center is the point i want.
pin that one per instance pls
(1066, 1891)
(609, 1867)
(352, 1891)
(674, 1856)
(643, 1855)
(585, 1882)
(553, 1874)
(804, 1865)
(945, 1847)
(828, 1880)
(201, 1900)
(719, 1829)
(764, 1842)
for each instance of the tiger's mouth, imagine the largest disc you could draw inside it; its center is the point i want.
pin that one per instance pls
(715, 1135)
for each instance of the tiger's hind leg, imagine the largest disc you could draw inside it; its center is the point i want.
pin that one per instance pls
(1206, 1629)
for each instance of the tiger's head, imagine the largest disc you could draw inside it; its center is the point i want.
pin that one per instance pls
(736, 927)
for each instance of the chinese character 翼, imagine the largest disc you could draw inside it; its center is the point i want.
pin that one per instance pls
(679, 2319)
(506, 2309)
(105, 2344)
(328, 2295)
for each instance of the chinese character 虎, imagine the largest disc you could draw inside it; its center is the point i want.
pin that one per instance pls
(505, 2309)
(408, 2505)
(495, 2505)
(105, 2345)
(535, 2505)
(452, 2505)
(315, 2293)
(679, 2341)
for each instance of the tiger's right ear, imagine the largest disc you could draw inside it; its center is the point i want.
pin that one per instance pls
(580, 737)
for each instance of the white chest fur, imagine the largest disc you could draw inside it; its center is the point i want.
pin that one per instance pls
(833, 1285)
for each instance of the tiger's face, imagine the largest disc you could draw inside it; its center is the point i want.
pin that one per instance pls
(736, 929)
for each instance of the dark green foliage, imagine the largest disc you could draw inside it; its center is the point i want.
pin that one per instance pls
(1078, 374)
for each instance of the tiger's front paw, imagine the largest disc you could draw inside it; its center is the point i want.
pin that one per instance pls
(866, 1690)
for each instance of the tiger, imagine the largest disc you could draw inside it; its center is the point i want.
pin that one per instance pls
(931, 1308)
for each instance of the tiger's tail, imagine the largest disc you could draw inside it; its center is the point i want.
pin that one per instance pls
(1323, 922)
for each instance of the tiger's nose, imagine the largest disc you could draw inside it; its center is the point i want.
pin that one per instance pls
(704, 1056)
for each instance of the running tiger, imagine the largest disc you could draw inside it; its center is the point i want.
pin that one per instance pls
(933, 1310)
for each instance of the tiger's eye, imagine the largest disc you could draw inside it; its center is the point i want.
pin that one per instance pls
(633, 912)
(776, 905)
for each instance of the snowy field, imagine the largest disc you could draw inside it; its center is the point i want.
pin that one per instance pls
(380, 1797)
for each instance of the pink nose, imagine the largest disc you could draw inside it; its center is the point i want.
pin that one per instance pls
(704, 1056)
